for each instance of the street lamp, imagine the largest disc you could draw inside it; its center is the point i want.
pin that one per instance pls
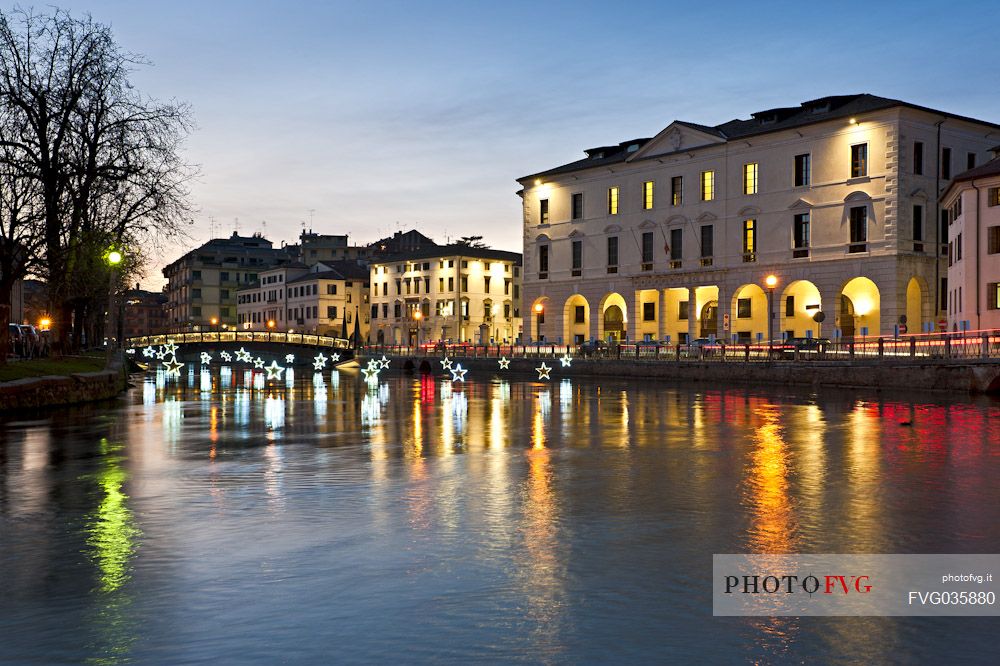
(417, 316)
(539, 319)
(771, 281)
(114, 258)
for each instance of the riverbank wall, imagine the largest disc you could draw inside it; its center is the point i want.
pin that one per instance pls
(961, 376)
(58, 390)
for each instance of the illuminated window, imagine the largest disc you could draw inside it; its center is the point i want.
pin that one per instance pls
(803, 168)
(707, 185)
(647, 195)
(749, 240)
(993, 296)
(677, 190)
(750, 178)
(543, 210)
(859, 160)
(612, 201)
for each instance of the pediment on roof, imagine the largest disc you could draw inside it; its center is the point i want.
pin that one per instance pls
(676, 136)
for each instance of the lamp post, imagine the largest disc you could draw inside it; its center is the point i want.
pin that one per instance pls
(114, 258)
(539, 319)
(417, 316)
(771, 281)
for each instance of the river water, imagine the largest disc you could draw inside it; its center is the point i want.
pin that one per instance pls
(218, 518)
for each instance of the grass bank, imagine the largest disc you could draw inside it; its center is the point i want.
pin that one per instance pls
(40, 367)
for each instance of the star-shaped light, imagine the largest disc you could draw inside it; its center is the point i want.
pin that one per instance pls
(173, 367)
(289, 358)
(226, 356)
(334, 357)
(243, 355)
(370, 373)
(504, 363)
(206, 358)
(258, 362)
(446, 363)
(458, 373)
(148, 352)
(384, 362)
(170, 348)
(374, 365)
(161, 353)
(319, 362)
(566, 360)
(274, 370)
(543, 372)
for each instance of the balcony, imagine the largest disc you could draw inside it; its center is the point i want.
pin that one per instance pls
(800, 252)
(612, 269)
(647, 266)
(706, 262)
(749, 257)
(676, 264)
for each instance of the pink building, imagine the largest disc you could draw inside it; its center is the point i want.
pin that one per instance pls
(972, 203)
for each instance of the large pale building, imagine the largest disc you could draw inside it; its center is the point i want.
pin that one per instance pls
(672, 238)
(324, 299)
(453, 293)
(972, 204)
(202, 284)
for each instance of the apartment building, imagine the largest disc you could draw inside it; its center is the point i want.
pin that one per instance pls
(455, 293)
(202, 284)
(674, 237)
(325, 299)
(972, 206)
(143, 312)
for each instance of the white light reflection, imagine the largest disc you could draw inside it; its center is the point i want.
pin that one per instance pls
(205, 381)
(226, 376)
(459, 410)
(335, 379)
(274, 412)
(370, 409)
(289, 377)
(258, 380)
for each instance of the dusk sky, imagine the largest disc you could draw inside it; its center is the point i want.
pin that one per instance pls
(391, 115)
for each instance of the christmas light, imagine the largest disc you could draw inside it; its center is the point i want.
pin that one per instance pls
(289, 358)
(504, 363)
(274, 370)
(206, 358)
(170, 349)
(384, 362)
(173, 367)
(161, 353)
(243, 355)
(543, 372)
(566, 360)
(319, 362)
(258, 363)
(371, 374)
(334, 357)
(458, 373)
(148, 352)
(226, 356)
(446, 363)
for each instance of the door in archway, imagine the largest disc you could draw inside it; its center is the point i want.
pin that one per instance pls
(709, 319)
(614, 324)
(846, 318)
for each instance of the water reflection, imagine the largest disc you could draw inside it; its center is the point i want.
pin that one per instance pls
(504, 521)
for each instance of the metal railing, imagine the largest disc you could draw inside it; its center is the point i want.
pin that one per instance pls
(979, 345)
(276, 337)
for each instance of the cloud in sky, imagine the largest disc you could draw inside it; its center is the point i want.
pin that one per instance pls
(378, 114)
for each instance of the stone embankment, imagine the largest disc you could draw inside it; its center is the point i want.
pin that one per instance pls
(56, 390)
(959, 375)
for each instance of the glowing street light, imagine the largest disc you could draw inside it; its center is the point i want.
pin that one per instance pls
(114, 258)
(44, 323)
(270, 323)
(771, 281)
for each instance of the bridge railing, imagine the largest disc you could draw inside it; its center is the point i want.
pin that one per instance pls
(975, 345)
(275, 337)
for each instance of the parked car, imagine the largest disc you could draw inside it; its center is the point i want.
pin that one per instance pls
(702, 347)
(16, 340)
(810, 344)
(29, 336)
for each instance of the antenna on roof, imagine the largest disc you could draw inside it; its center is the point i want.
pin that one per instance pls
(211, 226)
(236, 223)
(311, 211)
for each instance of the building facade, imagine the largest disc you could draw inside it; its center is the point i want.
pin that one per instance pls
(673, 238)
(323, 299)
(972, 205)
(144, 312)
(453, 293)
(202, 285)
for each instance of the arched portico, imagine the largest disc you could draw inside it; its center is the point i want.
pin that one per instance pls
(613, 320)
(576, 320)
(798, 304)
(749, 313)
(860, 309)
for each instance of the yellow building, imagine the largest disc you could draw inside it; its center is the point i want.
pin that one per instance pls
(671, 238)
(454, 293)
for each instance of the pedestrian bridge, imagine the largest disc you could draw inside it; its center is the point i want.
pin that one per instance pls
(268, 345)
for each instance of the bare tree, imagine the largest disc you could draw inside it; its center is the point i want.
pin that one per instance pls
(103, 158)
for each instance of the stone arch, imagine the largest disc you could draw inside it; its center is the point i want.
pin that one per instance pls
(748, 321)
(576, 330)
(613, 320)
(917, 305)
(795, 316)
(860, 308)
